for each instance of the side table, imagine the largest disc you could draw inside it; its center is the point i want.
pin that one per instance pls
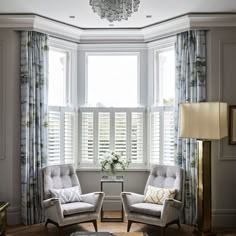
(3, 217)
(113, 180)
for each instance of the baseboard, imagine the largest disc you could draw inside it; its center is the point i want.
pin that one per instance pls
(224, 218)
(13, 215)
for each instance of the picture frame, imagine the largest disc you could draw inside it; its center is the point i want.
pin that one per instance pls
(232, 125)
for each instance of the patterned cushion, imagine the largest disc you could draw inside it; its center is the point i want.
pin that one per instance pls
(66, 194)
(158, 195)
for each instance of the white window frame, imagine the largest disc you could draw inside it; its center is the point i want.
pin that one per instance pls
(71, 86)
(156, 80)
(87, 54)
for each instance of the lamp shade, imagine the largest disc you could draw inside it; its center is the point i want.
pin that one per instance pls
(203, 120)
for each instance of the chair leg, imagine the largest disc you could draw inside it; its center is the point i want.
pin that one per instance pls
(46, 223)
(95, 225)
(162, 231)
(178, 223)
(61, 232)
(129, 225)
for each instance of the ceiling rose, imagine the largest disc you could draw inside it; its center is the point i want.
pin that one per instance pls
(114, 10)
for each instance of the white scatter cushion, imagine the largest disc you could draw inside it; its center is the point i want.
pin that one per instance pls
(158, 195)
(66, 195)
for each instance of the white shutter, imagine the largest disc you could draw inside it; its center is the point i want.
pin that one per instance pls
(120, 133)
(54, 137)
(69, 137)
(87, 137)
(155, 137)
(169, 132)
(103, 133)
(137, 137)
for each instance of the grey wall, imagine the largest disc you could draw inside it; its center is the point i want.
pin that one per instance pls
(10, 122)
(222, 86)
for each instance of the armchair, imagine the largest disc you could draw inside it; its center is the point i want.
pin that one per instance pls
(137, 210)
(82, 207)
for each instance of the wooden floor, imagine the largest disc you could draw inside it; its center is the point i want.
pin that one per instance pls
(36, 230)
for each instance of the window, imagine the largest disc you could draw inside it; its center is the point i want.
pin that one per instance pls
(105, 115)
(112, 80)
(62, 122)
(162, 113)
(111, 118)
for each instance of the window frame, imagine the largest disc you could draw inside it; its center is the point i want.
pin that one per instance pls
(156, 77)
(112, 53)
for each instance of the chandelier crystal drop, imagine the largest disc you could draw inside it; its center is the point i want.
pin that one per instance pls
(114, 10)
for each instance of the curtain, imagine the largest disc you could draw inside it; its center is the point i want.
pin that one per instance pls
(34, 83)
(190, 87)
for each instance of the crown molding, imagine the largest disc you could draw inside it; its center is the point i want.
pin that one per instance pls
(133, 35)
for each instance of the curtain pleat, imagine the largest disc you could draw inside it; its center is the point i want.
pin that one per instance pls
(190, 87)
(34, 122)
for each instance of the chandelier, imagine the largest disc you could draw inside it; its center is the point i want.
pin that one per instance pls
(114, 10)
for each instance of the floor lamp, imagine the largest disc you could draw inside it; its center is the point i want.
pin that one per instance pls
(204, 121)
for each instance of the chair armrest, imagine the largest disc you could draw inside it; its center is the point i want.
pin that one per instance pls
(171, 210)
(50, 202)
(53, 210)
(95, 199)
(129, 198)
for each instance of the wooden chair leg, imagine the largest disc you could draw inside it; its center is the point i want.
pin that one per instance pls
(46, 223)
(61, 232)
(162, 231)
(95, 225)
(129, 225)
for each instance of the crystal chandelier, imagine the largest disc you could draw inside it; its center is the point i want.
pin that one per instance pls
(114, 10)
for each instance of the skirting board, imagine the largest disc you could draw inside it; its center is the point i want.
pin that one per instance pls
(224, 218)
(13, 215)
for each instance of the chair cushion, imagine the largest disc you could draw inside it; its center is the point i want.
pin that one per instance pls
(77, 207)
(66, 195)
(147, 208)
(158, 195)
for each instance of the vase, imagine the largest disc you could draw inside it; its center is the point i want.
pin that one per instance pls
(111, 174)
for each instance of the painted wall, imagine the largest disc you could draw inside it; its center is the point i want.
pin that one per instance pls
(222, 86)
(10, 122)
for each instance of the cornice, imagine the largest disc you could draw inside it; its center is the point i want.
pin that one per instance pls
(134, 35)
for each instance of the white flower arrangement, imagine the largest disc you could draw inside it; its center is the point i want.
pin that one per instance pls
(113, 161)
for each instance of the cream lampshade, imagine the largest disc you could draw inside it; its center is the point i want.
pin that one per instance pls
(203, 120)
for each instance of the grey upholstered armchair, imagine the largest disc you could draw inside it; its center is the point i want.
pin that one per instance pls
(63, 200)
(137, 210)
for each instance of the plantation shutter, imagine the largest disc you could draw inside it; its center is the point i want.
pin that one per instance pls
(61, 136)
(162, 135)
(137, 119)
(169, 133)
(103, 133)
(120, 133)
(54, 137)
(155, 137)
(87, 137)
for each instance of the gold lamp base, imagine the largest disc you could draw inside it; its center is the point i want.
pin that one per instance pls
(204, 188)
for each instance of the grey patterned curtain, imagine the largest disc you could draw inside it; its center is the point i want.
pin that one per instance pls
(190, 87)
(34, 76)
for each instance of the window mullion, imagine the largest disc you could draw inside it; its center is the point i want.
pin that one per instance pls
(95, 135)
(62, 135)
(161, 135)
(79, 131)
(129, 136)
(112, 130)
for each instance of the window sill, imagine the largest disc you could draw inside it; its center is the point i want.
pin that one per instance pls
(99, 169)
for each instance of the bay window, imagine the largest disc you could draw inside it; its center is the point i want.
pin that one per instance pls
(109, 117)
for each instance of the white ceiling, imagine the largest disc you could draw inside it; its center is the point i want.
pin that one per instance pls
(85, 18)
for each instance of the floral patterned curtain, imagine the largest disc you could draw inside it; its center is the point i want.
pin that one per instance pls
(190, 87)
(34, 76)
